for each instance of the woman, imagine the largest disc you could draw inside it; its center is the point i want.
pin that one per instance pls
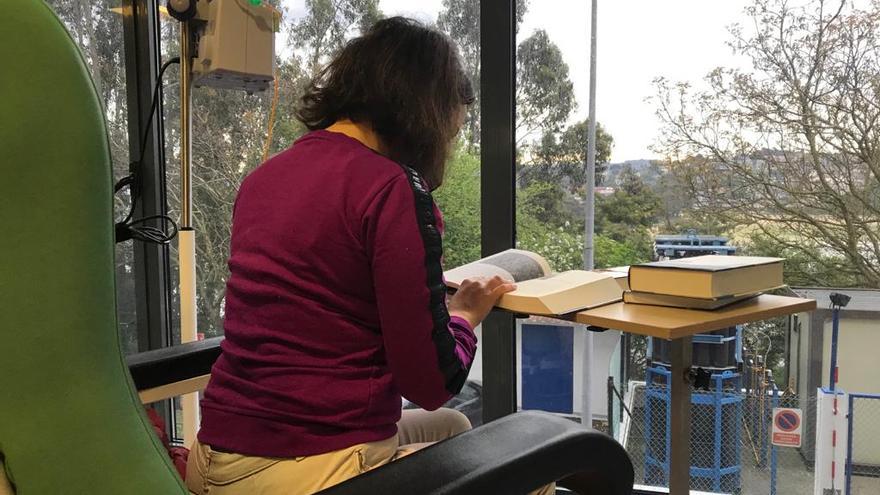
(335, 306)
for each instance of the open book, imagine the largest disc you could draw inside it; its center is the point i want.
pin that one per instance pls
(540, 291)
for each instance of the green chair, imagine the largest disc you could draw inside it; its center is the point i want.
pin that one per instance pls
(70, 419)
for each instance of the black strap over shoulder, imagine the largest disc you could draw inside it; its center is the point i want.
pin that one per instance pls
(454, 372)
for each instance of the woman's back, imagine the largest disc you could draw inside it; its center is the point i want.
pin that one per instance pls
(304, 368)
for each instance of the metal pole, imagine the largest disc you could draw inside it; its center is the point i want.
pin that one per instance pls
(186, 236)
(681, 355)
(773, 454)
(832, 385)
(591, 150)
(610, 405)
(586, 381)
(835, 326)
(848, 466)
(587, 353)
(185, 127)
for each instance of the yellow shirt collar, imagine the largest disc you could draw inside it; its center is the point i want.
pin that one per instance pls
(359, 132)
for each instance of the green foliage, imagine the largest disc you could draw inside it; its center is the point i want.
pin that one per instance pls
(543, 225)
(627, 215)
(562, 246)
(546, 227)
(543, 201)
(459, 200)
(608, 252)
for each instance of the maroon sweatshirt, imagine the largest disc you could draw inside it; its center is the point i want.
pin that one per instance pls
(335, 305)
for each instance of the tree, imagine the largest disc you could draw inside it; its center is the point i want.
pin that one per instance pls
(791, 145)
(627, 215)
(544, 93)
(460, 19)
(327, 25)
(561, 157)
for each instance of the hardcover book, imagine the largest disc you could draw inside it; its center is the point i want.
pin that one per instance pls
(540, 291)
(707, 277)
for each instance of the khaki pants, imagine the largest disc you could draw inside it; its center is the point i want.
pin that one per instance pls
(210, 472)
(5, 487)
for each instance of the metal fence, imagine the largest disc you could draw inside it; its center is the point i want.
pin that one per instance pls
(863, 445)
(731, 430)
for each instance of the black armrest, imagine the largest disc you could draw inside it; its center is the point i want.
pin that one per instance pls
(173, 364)
(512, 455)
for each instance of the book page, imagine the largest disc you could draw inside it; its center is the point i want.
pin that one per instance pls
(456, 276)
(513, 264)
(558, 282)
(522, 265)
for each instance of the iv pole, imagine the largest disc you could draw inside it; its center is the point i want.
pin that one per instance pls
(186, 236)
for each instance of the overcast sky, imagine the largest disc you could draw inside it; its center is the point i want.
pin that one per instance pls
(638, 40)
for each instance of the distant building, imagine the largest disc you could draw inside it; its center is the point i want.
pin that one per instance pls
(605, 191)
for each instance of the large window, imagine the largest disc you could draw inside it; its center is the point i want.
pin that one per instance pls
(97, 28)
(739, 122)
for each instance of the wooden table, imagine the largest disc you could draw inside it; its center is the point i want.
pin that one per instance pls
(679, 326)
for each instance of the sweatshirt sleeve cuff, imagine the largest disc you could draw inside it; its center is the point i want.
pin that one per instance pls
(462, 324)
(465, 340)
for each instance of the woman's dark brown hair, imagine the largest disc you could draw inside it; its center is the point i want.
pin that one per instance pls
(404, 80)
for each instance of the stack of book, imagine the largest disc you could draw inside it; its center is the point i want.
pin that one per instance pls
(702, 282)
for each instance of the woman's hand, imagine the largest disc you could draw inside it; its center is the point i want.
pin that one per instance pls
(475, 298)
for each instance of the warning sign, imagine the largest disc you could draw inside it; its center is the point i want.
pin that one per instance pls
(786, 427)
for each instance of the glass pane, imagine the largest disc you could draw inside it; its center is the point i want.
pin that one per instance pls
(459, 197)
(551, 130)
(97, 28)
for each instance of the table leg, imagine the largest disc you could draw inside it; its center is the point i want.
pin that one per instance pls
(680, 418)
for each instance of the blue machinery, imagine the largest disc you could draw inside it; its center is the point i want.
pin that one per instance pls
(717, 413)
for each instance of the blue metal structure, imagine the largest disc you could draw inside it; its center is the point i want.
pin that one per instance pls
(690, 244)
(717, 468)
(773, 448)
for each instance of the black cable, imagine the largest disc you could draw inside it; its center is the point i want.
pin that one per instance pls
(147, 233)
(126, 229)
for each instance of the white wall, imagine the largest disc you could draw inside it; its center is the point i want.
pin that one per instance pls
(858, 363)
(858, 355)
